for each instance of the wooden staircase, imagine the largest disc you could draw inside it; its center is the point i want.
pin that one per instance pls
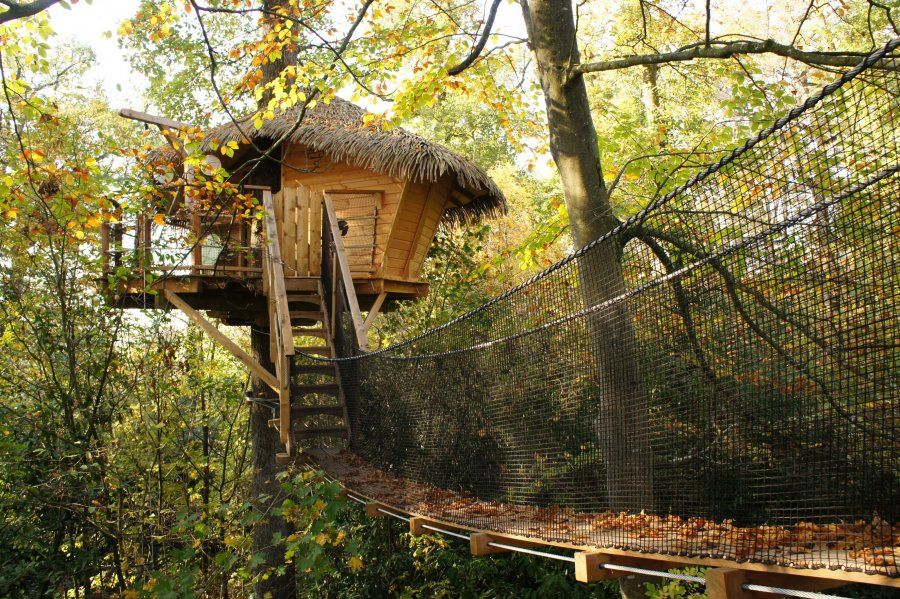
(318, 410)
(304, 316)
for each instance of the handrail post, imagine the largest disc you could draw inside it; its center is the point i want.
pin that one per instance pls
(280, 319)
(197, 250)
(346, 279)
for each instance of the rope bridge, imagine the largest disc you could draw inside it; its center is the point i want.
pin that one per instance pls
(716, 377)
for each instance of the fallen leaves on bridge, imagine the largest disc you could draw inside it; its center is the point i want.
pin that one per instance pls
(872, 547)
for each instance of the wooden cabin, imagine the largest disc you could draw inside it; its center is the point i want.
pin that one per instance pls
(351, 210)
(391, 188)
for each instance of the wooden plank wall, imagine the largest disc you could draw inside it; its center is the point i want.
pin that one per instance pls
(407, 217)
(319, 175)
(361, 211)
(298, 212)
(414, 230)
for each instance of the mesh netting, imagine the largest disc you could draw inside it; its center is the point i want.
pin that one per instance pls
(718, 376)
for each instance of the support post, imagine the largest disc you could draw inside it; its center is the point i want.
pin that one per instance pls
(197, 250)
(725, 583)
(478, 544)
(589, 567)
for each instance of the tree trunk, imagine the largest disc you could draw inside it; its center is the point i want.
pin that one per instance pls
(266, 490)
(650, 94)
(621, 423)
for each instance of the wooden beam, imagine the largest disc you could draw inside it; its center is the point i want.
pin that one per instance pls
(373, 312)
(316, 200)
(227, 343)
(341, 259)
(415, 526)
(726, 583)
(478, 544)
(589, 567)
(280, 294)
(373, 509)
(150, 119)
(303, 239)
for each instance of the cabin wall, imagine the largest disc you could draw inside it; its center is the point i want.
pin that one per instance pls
(319, 174)
(408, 213)
(413, 232)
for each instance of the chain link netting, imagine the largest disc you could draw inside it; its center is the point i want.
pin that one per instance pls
(716, 377)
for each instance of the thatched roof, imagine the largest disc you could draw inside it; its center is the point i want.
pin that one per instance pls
(337, 129)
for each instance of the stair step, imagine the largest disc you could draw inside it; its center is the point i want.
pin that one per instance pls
(304, 299)
(304, 411)
(330, 388)
(326, 369)
(307, 315)
(301, 284)
(318, 350)
(309, 433)
(298, 332)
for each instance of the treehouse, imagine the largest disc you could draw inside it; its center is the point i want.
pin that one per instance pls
(350, 211)
(389, 189)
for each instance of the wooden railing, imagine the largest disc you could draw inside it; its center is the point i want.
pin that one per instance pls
(338, 289)
(238, 247)
(281, 348)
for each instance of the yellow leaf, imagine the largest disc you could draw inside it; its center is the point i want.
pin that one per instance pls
(355, 563)
(160, 219)
(321, 538)
(79, 234)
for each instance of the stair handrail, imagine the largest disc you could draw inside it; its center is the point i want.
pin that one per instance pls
(279, 318)
(346, 278)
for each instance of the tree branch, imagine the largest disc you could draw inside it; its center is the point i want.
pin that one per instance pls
(473, 55)
(20, 11)
(720, 50)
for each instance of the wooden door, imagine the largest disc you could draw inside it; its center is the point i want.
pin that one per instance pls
(298, 212)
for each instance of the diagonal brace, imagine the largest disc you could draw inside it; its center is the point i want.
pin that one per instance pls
(257, 368)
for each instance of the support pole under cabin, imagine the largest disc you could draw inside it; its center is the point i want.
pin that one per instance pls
(266, 489)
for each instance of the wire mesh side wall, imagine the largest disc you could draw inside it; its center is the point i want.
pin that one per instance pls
(719, 377)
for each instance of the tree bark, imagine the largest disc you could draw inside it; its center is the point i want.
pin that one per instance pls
(266, 490)
(621, 423)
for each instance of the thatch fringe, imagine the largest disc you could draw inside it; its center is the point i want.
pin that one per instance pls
(337, 129)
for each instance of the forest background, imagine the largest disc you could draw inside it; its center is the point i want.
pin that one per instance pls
(124, 451)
